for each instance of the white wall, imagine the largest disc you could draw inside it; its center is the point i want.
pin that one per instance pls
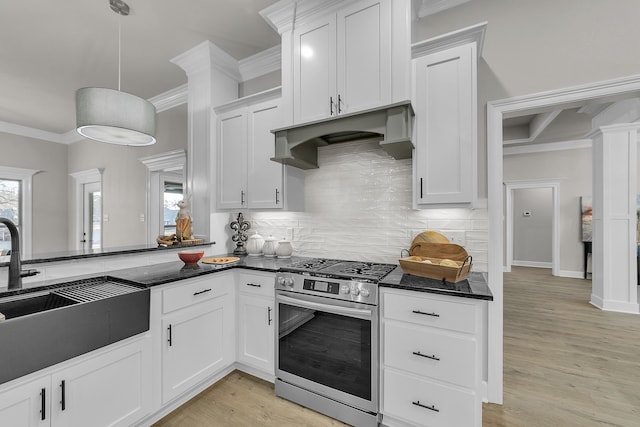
(573, 169)
(50, 203)
(358, 207)
(124, 177)
(532, 243)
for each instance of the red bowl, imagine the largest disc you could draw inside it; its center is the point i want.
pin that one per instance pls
(190, 257)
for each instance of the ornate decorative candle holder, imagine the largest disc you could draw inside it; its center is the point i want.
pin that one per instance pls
(240, 226)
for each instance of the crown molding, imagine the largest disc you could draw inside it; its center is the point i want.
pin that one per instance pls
(284, 15)
(474, 33)
(625, 111)
(166, 160)
(170, 99)
(547, 147)
(261, 63)
(255, 98)
(205, 56)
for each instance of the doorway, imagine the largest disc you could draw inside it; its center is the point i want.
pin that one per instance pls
(91, 216)
(496, 112)
(531, 227)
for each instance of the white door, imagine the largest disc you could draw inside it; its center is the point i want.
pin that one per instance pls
(265, 184)
(92, 216)
(363, 56)
(232, 160)
(314, 71)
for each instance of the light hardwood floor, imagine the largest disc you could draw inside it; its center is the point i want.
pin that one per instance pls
(566, 364)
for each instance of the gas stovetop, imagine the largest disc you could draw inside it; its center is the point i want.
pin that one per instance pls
(352, 270)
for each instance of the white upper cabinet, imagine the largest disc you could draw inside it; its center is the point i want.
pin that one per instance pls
(247, 177)
(232, 160)
(445, 103)
(342, 62)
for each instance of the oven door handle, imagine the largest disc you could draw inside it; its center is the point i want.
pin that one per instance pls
(335, 309)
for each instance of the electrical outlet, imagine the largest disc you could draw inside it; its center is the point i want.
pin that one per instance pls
(455, 236)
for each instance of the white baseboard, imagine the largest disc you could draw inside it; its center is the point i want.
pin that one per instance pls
(536, 264)
(571, 274)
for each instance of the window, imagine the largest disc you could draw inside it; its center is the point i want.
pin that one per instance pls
(10, 208)
(15, 204)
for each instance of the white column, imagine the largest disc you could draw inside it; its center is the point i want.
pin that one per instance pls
(614, 280)
(213, 79)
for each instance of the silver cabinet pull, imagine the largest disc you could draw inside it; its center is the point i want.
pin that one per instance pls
(339, 104)
(426, 314)
(331, 105)
(417, 353)
(277, 196)
(169, 337)
(431, 408)
(269, 319)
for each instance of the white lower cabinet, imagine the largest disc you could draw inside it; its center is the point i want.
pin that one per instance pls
(431, 359)
(109, 388)
(198, 332)
(256, 330)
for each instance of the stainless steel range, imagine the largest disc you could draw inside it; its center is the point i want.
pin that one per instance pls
(327, 349)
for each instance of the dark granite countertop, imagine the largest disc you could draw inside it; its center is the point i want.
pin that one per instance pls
(474, 286)
(93, 253)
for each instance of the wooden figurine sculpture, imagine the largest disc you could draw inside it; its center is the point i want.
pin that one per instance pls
(183, 222)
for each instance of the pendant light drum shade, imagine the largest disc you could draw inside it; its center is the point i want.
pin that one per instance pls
(115, 117)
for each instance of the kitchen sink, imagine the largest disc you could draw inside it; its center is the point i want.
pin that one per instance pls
(77, 317)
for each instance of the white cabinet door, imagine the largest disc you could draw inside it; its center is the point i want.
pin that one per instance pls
(265, 186)
(363, 56)
(314, 70)
(342, 62)
(445, 107)
(198, 342)
(113, 389)
(26, 405)
(256, 332)
(232, 160)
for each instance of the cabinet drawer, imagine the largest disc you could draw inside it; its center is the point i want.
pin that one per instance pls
(442, 406)
(428, 353)
(456, 316)
(195, 291)
(257, 284)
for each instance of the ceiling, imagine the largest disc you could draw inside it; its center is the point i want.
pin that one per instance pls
(50, 49)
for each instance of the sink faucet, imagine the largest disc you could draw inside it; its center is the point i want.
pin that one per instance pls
(15, 270)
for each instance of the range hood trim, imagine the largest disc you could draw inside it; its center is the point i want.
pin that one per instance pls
(391, 124)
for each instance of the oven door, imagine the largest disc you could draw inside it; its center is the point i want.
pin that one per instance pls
(329, 347)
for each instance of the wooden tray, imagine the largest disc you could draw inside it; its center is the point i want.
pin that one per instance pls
(435, 253)
(220, 260)
(430, 237)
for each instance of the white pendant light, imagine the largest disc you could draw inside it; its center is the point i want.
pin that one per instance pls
(112, 116)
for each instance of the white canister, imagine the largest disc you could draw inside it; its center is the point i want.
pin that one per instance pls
(269, 247)
(254, 244)
(284, 249)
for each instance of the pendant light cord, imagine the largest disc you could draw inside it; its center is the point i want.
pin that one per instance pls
(119, 49)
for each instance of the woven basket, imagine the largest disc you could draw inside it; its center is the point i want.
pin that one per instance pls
(435, 253)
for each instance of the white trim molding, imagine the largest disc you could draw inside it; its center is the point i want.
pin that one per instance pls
(431, 7)
(25, 176)
(547, 147)
(261, 63)
(474, 33)
(496, 112)
(537, 125)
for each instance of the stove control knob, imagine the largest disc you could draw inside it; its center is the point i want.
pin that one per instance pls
(365, 292)
(344, 289)
(354, 290)
(281, 281)
(288, 281)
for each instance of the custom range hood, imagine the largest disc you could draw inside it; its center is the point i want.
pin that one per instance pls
(391, 125)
